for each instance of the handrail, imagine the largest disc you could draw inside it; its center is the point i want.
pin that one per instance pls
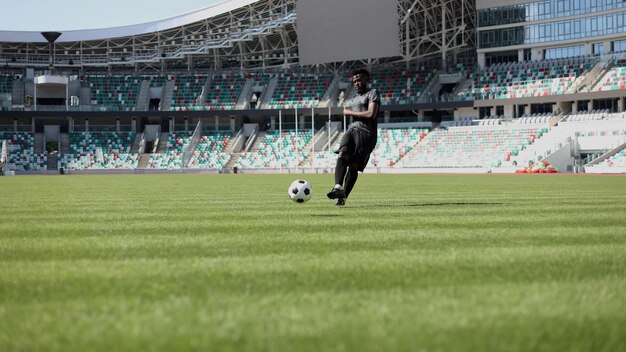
(191, 146)
(252, 138)
(155, 147)
(142, 143)
(5, 152)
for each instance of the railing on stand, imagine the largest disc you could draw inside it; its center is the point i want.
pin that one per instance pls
(142, 143)
(252, 138)
(189, 148)
(4, 158)
(155, 147)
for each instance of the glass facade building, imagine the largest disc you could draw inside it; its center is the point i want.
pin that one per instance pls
(544, 10)
(579, 28)
(542, 22)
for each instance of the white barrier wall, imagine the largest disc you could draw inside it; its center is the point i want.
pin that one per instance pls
(600, 142)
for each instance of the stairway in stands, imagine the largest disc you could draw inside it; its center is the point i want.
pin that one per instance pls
(143, 161)
(53, 161)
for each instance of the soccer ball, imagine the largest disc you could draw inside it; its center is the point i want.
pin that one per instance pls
(300, 191)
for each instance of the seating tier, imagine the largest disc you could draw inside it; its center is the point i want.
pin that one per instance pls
(172, 157)
(114, 93)
(21, 148)
(209, 153)
(299, 90)
(471, 147)
(99, 150)
(392, 145)
(277, 150)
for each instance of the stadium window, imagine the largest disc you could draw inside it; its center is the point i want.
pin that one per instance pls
(577, 6)
(541, 108)
(569, 51)
(609, 23)
(618, 46)
(561, 31)
(608, 104)
(594, 26)
(544, 10)
(606, 24)
(528, 55)
(484, 111)
(577, 27)
(501, 57)
(528, 34)
(598, 48)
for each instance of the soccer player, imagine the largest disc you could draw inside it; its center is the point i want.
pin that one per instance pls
(360, 138)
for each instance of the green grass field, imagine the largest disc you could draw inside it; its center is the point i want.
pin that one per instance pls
(228, 263)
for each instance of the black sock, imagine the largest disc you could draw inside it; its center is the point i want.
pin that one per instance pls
(340, 170)
(351, 177)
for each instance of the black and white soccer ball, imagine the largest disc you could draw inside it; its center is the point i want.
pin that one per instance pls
(300, 191)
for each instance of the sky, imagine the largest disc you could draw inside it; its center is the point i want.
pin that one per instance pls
(50, 15)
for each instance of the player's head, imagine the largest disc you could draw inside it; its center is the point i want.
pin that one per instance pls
(360, 79)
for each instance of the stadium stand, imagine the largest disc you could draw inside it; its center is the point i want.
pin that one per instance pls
(21, 151)
(155, 80)
(475, 146)
(209, 69)
(276, 150)
(614, 79)
(611, 127)
(99, 150)
(209, 154)
(528, 79)
(593, 115)
(224, 91)
(187, 90)
(301, 90)
(462, 121)
(535, 118)
(400, 86)
(616, 161)
(113, 93)
(392, 145)
(171, 158)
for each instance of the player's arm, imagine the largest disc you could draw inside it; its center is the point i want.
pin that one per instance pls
(370, 113)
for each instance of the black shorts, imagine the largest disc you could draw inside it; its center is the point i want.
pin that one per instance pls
(358, 144)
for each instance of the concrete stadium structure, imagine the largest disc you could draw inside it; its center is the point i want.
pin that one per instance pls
(213, 90)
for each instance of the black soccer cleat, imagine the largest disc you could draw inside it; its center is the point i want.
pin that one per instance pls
(341, 201)
(336, 193)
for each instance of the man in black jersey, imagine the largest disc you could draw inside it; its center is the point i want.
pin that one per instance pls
(360, 138)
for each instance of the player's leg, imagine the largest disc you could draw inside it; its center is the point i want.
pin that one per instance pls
(339, 191)
(341, 168)
(343, 161)
(345, 150)
(351, 176)
(364, 145)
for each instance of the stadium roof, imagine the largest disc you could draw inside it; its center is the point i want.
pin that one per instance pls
(130, 30)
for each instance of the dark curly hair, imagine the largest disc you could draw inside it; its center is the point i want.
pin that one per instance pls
(361, 71)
